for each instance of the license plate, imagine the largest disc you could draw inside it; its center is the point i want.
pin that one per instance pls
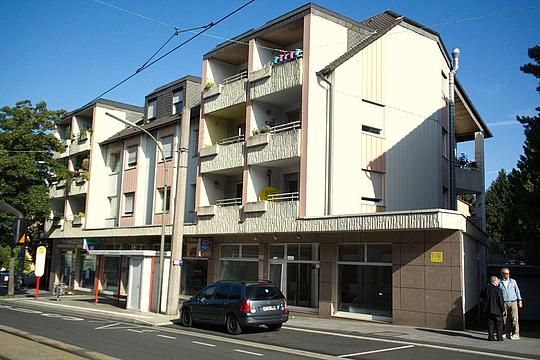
(268, 308)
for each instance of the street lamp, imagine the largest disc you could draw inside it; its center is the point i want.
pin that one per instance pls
(162, 242)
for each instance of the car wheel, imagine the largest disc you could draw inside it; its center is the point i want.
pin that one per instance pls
(233, 326)
(274, 327)
(187, 319)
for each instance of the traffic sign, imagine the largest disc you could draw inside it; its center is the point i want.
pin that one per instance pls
(40, 261)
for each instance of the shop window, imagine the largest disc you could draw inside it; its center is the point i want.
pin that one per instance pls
(195, 253)
(277, 252)
(239, 262)
(87, 271)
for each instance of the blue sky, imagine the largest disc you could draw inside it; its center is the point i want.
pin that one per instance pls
(68, 52)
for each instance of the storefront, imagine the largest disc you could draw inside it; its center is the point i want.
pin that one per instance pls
(195, 253)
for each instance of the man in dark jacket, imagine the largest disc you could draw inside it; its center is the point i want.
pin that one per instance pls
(493, 308)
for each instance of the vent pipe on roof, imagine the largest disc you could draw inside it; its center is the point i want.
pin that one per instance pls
(452, 130)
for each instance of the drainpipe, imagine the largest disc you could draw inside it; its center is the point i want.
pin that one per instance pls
(328, 144)
(452, 129)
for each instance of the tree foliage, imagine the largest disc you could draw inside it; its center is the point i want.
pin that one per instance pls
(512, 201)
(27, 166)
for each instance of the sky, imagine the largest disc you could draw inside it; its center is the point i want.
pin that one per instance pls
(67, 52)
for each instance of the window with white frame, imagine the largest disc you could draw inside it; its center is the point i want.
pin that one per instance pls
(239, 262)
(132, 156)
(167, 146)
(129, 202)
(114, 162)
(151, 109)
(178, 101)
(159, 200)
(372, 189)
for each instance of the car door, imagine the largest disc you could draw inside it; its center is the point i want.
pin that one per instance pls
(200, 308)
(218, 305)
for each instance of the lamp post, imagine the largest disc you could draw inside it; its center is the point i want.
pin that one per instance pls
(162, 242)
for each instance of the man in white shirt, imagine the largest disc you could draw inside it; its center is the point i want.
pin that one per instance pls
(512, 301)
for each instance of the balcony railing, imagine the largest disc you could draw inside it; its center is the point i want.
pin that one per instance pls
(235, 77)
(229, 202)
(231, 140)
(285, 127)
(276, 78)
(292, 196)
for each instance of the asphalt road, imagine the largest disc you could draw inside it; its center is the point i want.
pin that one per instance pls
(129, 341)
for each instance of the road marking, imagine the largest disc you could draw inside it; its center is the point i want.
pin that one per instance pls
(167, 337)
(135, 331)
(107, 326)
(419, 344)
(376, 351)
(205, 344)
(248, 352)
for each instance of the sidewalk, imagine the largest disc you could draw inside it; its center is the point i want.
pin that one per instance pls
(469, 339)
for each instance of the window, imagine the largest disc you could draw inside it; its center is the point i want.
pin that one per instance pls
(113, 206)
(177, 101)
(293, 116)
(129, 200)
(208, 293)
(371, 129)
(151, 110)
(291, 182)
(114, 162)
(222, 291)
(132, 156)
(445, 143)
(159, 201)
(239, 262)
(167, 146)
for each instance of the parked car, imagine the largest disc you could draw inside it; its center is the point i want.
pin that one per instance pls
(237, 304)
(4, 278)
(30, 279)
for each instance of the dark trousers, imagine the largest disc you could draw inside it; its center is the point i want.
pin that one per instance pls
(495, 325)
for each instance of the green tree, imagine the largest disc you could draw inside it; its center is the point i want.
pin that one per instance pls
(27, 166)
(498, 208)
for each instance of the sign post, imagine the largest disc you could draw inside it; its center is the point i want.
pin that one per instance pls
(39, 266)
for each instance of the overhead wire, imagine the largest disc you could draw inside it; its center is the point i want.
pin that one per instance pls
(197, 34)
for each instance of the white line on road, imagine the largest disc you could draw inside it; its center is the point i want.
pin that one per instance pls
(135, 331)
(205, 344)
(107, 326)
(419, 344)
(248, 352)
(167, 337)
(376, 351)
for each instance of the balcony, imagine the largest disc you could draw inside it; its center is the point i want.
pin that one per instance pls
(79, 186)
(231, 92)
(81, 144)
(227, 219)
(282, 142)
(57, 190)
(275, 78)
(469, 180)
(226, 154)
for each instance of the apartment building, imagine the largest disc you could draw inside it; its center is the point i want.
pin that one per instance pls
(124, 201)
(320, 159)
(325, 167)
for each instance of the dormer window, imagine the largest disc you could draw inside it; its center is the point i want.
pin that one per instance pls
(151, 109)
(177, 101)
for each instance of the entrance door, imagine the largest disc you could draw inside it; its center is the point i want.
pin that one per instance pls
(134, 288)
(277, 276)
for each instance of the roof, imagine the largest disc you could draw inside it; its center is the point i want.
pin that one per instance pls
(286, 18)
(158, 123)
(115, 104)
(174, 83)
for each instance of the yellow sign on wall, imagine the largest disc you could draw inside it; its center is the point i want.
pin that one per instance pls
(437, 257)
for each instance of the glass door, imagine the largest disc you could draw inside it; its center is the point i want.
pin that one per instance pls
(277, 275)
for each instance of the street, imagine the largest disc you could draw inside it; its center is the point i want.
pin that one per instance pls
(129, 341)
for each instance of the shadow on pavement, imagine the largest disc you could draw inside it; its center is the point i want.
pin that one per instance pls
(452, 333)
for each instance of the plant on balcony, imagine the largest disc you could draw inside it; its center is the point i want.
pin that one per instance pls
(255, 132)
(209, 85)
(463, 162)
(83, 135)
(85, 175)
(265, 129)
(85, 164)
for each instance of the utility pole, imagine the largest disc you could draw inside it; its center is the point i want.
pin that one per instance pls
(175, 271)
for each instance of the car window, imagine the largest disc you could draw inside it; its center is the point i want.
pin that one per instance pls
(263, 292)
(207, 293)
(235, 293)
(222, 291)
